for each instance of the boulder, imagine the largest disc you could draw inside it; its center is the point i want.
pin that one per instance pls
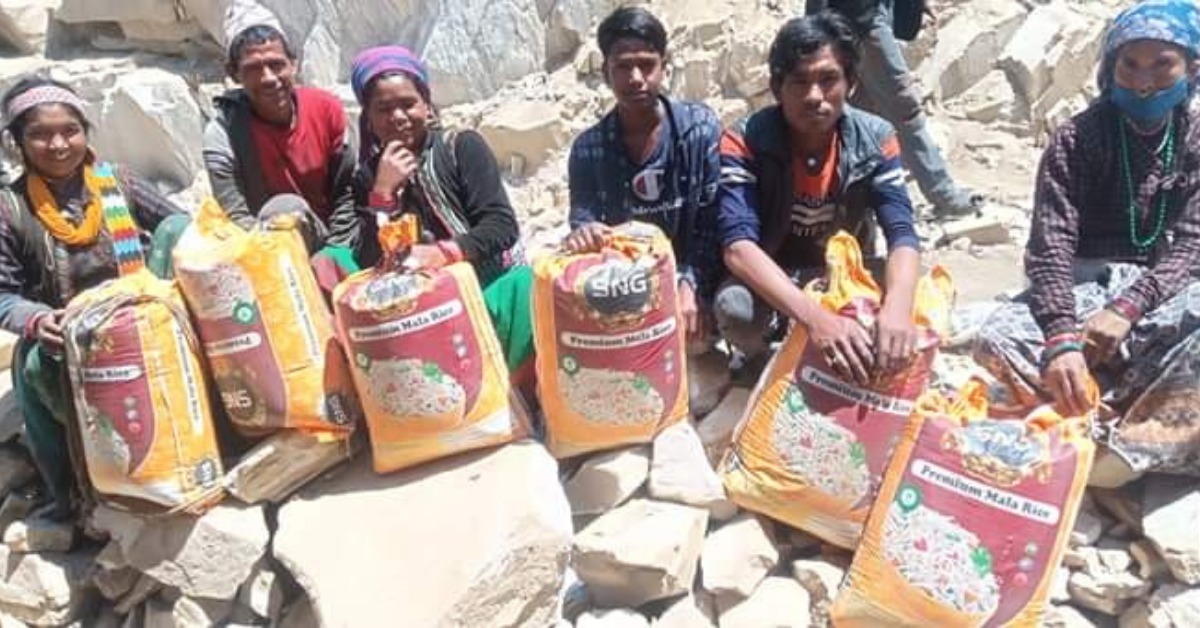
(968, 45)
(525, 133)
(413, 548)
(606, 479)
(1171, 510)
(39, 534)
(282, 463)
(44, 589)
(737, 557)
(204, 557)
(716, 430)
(643, 551)
(776, 603)
(23, 24)
(151, 123)
(615, 618)
(708, 381)
(680, 472)
(684, 613)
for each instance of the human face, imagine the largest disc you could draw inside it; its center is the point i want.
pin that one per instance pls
(1147, 66)
(397, 111)
(813, 94)
(54, 141)
(268, 76)
(635, 71)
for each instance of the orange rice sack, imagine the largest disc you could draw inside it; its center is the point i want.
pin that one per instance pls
(426, 363)
(972, 519)
(812, 446)
(611, 364)
(267, 331)
(140, 395)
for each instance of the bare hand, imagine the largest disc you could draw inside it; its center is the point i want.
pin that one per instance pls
(689, 312)
(1066, 378)
(846, 344)
(396, 166)
(896, 339)
(49, 330)
(1102, 336)
(425, 256)
(587, 238)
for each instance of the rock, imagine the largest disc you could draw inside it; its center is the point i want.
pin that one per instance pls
(642, 551)
(607, 479)
(262, 592)
(981, 231)
(1109, 593)
(1110, 471)
(716, 430)
(1088, 526)
(529, 130)
(282, 463)
(15, 507)
(680, 472)
(15, 469)
(456, 568)
(1150, 564)
(185, 612)
(737, 557)
(204, 557)
(685, 613)
(568, 25)
(23, 24)
(821, 579)
(141, 591)
(968, 46)
(151, 123)
(39, 535)
(114, 583)
(776, 603)
(616, 618)
(989, 100)
(76, 11)
(1172, 606)
(44, 589)
(1065, 617)
(1052, 55)
(708, 381)
(1059, 593)
(1171, 508)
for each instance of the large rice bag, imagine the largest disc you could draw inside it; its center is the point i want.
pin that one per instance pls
(972, 519)
(426, 362)
(812, 446)
(140, 395)
(611, 364)
(267, 331)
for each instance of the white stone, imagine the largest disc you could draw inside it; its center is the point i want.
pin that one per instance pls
(1065, 617)
(531, 130)
(281, 464)
(23, 24)
(1174, 606)
(716, 430)
(39, 535)
(185, 612)
(262, 592)
(115, 11)
(204, 557)
(968, 46)
(708, 381)
(989, 100)
(680, 472)
(776, 603)
(477, 539)
(615, 618)
(1024, 58)
(151, 123)
(605, 480)
(1059, 593)
(738, 556)
(1171, 510)
(684, 613)
(43, 589)
(1109, 593)
(643, 551)
(980, 231)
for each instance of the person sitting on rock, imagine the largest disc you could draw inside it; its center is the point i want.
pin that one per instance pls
(61, 232)
(272, 137)
(409, 164)
(794, 174)
(1114, 250)
(652, 159)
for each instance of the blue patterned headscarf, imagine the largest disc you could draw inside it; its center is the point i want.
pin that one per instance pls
(1173, 21)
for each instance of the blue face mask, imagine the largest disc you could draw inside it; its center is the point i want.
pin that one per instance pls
(1156, 106)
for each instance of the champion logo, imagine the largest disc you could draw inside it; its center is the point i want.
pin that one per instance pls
(647, 184)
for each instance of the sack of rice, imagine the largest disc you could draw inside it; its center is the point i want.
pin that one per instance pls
(265, 327)
(972, 520)
(425, 359)
(611, 364)
(812, 446)
(140, 396)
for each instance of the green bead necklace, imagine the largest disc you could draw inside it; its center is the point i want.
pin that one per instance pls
(1160, 210)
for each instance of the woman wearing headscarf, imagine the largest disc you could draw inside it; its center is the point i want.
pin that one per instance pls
(409, 164)
(65, 227)
(1114, 249)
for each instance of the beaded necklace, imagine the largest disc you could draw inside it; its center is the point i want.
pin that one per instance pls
(1160, 210)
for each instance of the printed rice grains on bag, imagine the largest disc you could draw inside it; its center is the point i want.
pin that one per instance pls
(426, 361)
(972, 518)
(267, 331)
(140, 395)
(611, 363)
(812, 447)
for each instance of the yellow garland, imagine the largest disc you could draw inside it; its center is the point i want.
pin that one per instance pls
(46, 209)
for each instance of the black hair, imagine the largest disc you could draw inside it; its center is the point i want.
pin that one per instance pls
(17, 125)
(369, 89)
(631, 22)
(803, 36)
(256, 35)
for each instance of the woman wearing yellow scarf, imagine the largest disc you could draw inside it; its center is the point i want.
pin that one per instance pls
(67, 224)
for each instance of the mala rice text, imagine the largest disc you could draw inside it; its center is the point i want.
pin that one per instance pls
(611, 364)
(812, 447)
(972, 520)
(140, 396)
(267, 331)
